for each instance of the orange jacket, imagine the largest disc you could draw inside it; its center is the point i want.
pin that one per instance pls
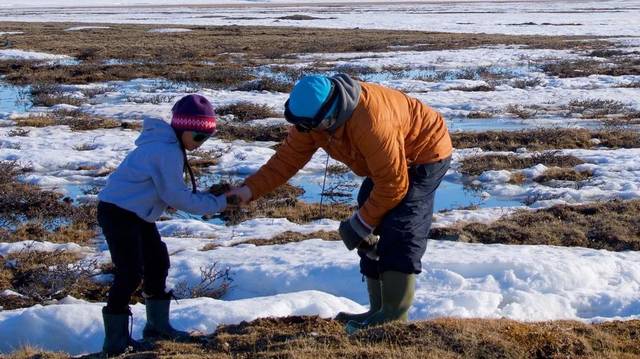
(387, 132)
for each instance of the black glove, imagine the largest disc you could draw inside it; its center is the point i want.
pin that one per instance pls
(353, 233)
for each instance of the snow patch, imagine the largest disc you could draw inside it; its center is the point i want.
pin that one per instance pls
(13, 54)
(170, 30)
(14, 247)
(78, 28)
(76, 328)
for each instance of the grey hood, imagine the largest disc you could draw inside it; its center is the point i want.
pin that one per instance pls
(348, 97)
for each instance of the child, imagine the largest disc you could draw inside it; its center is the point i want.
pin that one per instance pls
(147, 182)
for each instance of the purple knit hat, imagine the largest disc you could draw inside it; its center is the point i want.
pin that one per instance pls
(194, 113)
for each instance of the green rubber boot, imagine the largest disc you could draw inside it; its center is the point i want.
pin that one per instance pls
(398, 290)
(117, 339)
(158, 326)
(375, 301)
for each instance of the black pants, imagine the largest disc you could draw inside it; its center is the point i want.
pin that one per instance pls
(404, 230)
(137, 253)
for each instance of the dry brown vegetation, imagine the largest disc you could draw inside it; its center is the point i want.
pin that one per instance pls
(521, 112)
(291, 237)
(314, 338)
(615, 66)
(480, 114)
(526, 83)
(546, 138)
(181, 57)
(563, 174)
(214, 283)
(597, 108)
(283, 202)
(534, 140)
(44, 276)
(477, 88)
(134, 42)
(282, 238)
(201, 160)
(49, 95)
(30, 213)
(251, 133)
(613, 225)
(474, 166)
(247, 111)
(268, 84)
(75, 119)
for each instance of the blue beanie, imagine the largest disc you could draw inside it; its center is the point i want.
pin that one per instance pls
(309, 94)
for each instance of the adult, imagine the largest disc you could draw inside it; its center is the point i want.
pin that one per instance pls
(401, 146)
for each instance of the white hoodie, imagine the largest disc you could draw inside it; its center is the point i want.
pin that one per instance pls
(150, 178)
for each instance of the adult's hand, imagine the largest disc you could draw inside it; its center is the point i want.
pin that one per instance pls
(242, 192)
(354, 231)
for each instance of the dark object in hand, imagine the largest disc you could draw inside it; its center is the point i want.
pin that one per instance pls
(233, 201)
(349, 237)
(219, 189)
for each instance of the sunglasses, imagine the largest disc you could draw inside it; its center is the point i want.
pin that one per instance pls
(200, 136)
(306, 124)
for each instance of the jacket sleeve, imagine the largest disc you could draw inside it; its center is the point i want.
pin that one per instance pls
(382, 146)
(168, 180)
(293, 154)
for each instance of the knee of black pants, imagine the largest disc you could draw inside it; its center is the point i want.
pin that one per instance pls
(156, 270)
(124, 285)
(407, 258)
(368, 267)
(403, 237)
(403, 243)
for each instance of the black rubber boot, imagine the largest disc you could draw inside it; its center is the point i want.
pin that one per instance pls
(158, 326)
(375, 301)
(117, 338)
(398, 290)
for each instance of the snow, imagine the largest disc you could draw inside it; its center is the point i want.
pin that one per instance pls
(170, 30)
(260, 228)
(320, 277)
(10, 293)
(57, 164)
(31, 55)
(616, 175)
(78, 28)
(11, 33)
(15, 247)
(77, 328)
(459, 279)
(618, 17)
(528, 283)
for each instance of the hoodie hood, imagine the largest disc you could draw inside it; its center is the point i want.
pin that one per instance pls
(156, 130)
(348, 96)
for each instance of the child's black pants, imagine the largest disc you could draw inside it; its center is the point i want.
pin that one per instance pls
(137, 252)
